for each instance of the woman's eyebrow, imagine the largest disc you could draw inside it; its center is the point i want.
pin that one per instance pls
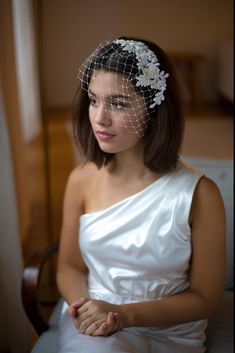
(90, 92)
(117, 96)
(111, 96)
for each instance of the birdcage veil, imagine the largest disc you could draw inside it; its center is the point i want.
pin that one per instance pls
(136, 87)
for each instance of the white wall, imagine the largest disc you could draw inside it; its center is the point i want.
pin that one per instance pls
(73, 28)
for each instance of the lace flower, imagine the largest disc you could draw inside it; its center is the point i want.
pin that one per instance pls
(148, 65)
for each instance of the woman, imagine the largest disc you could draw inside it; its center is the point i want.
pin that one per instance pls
(142, 254)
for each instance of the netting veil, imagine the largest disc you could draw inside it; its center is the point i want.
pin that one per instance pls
(123, 76)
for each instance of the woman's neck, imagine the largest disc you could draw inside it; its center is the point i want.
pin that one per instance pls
(129, 165)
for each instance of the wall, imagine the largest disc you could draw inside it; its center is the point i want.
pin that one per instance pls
(73, 28)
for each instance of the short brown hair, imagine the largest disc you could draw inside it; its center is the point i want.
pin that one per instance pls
(163, 137)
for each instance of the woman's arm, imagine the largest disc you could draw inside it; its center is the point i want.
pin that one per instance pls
(71, 269)
(207, 277)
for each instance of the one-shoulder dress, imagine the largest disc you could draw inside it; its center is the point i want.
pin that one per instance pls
(138, 250)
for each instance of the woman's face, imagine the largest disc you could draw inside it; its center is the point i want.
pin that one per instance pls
(117, 113)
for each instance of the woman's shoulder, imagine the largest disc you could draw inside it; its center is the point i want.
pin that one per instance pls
(204, 187)
(81, 176)
(78, 185)
(208, 199)
(207, 188)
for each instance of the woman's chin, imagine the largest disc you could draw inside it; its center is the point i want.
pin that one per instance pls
(107, 149)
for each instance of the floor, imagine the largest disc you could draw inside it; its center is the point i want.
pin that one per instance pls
(208, 134)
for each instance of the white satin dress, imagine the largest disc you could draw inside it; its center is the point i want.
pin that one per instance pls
(137, 250)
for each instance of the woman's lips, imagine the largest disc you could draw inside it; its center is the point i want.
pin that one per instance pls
(104, 136)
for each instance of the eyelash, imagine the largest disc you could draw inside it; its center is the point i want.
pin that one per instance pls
(114, 104)
(93, 102)
(119, 105)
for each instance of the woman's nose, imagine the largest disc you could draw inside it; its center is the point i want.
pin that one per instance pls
(102, 116)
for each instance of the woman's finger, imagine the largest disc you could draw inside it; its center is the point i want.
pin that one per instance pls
(103, 330)
(107, 327)
(94, 327)
(110, 318)
(72, 309)
(119, 324)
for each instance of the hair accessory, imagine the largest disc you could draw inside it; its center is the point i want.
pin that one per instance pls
(148, 65)
(135, 87)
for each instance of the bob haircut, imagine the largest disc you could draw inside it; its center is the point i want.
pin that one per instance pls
(163, 136)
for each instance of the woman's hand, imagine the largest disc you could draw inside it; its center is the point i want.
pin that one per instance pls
(105, 328)
(95, 317)
(72, 309)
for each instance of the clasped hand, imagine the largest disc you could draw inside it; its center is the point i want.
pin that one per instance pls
(95, 317)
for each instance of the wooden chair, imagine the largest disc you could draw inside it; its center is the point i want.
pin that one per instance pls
(31, 286)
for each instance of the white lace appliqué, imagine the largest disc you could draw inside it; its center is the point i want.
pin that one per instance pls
(148, 65)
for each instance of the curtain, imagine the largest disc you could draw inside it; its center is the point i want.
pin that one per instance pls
(14, 332)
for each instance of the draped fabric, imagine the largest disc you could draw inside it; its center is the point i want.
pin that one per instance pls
(137, 250)
(14, 332)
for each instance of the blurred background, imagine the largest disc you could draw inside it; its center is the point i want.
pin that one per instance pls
(42, 44)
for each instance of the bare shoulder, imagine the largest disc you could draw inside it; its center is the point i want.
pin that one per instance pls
(82, 176)
(208, 190)
(79, 182)
(207, 200)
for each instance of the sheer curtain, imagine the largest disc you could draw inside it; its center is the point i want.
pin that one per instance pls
(14, 332)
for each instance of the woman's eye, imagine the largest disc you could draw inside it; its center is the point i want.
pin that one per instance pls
(119, 105)
(93, 101)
